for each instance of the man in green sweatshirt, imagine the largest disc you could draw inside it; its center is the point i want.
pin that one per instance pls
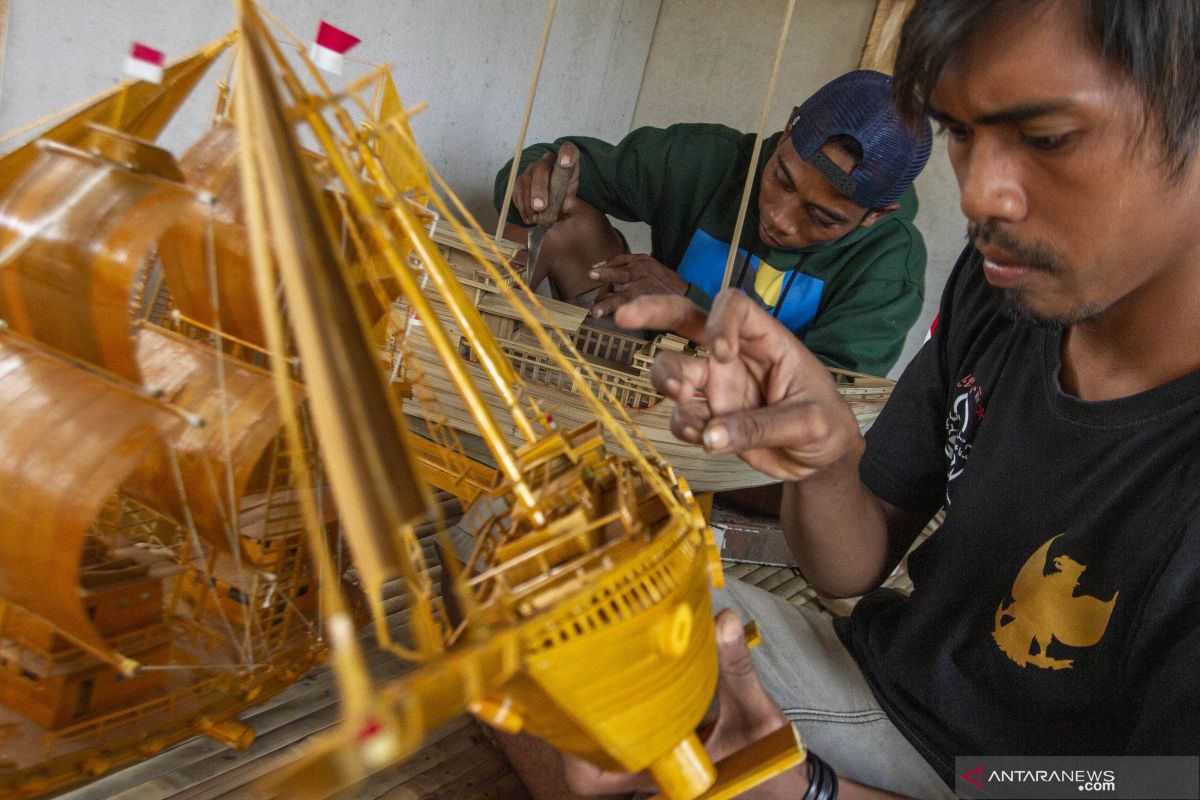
(828, 245)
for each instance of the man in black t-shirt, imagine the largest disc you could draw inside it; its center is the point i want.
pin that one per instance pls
(1054, 413)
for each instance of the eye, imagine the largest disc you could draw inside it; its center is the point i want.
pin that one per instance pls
(955, 130)
(782, 179)
(1051, 142)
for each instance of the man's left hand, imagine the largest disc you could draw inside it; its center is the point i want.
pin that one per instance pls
(632, 275)
(745, 714)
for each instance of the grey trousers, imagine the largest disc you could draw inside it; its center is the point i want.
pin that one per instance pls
(818, 685)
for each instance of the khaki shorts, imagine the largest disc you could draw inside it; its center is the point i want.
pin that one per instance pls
(816, 682)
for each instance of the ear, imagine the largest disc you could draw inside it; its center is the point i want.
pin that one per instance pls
(876, 214)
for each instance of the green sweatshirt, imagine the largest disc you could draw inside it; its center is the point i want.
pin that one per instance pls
(852, 301)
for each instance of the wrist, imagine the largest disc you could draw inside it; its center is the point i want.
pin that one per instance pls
(841, 464)
(822, 780)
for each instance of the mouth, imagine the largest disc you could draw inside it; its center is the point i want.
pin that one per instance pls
(1004, 271)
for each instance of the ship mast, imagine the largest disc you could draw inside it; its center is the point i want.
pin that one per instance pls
(473, 326)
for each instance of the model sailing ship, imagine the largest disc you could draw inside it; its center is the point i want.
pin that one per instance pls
(620, 361)
(168, 550)
(154, 575)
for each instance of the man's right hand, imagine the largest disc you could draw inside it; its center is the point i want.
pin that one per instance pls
(762, 395)
(531, 192)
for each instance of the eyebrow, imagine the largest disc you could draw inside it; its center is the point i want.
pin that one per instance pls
(1016, 114)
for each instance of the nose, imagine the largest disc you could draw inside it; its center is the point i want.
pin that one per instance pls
(782, 217)
(989, 179)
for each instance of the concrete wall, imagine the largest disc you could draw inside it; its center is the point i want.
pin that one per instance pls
(472, 60)
(611, 65)
(710, 61)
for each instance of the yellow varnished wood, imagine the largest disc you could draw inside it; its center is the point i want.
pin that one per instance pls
(239, 412)
(75, 235)
(584, 614)
(62, 422)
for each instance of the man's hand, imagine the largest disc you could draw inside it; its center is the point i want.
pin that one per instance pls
(761, 395)
(629, 276)
(531, 191)
(745, 714)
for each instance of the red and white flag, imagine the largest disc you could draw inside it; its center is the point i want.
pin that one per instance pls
(330, 47)
(144, 63)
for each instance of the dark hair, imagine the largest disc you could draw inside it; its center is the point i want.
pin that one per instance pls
(847, 144)
(1155, 42)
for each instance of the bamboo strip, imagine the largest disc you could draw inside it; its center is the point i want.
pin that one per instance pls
(762, 123)
(533, 86)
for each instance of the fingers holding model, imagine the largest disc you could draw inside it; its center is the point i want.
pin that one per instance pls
(762, 394)
(531, 192)
(745, 714)
(629, 276)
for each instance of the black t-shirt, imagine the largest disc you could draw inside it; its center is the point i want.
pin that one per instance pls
(1057, 610)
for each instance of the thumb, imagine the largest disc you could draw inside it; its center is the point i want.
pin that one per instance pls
(746, 712)
(568, 154)
(811, 431)
(739, 431)
(733, 654)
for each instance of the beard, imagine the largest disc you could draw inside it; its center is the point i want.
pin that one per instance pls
(1038, 256)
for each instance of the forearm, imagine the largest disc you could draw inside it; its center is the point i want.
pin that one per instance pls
(794, 785)
(836, 528)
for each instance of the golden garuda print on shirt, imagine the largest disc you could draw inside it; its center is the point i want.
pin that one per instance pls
(1045, 610)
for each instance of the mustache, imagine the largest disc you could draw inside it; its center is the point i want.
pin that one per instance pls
(1034, 255)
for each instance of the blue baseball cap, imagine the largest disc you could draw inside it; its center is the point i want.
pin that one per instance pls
(859, 104)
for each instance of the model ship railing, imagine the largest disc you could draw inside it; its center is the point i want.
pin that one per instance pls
(128, 642)
(631, 391)
(227, 342)
(608, 345)
(99, 728)
(624, 593)
(549, 558)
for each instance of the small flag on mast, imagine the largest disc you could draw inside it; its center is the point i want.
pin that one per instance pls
(330, 47)
(144, 63)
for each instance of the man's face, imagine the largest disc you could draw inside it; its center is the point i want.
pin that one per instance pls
(1072, 210)
(798, 207)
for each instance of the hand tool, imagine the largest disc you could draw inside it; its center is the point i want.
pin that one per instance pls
(560, 179)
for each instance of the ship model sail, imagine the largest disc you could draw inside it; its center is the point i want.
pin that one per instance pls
(155, 578)
(188, 465)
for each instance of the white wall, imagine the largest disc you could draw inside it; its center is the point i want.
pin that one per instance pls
(611, 65)
(470, 59)
(711, 59)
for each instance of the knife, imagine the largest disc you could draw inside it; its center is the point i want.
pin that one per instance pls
(560, 179)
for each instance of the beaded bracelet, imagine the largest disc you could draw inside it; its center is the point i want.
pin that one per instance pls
(822, 780)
